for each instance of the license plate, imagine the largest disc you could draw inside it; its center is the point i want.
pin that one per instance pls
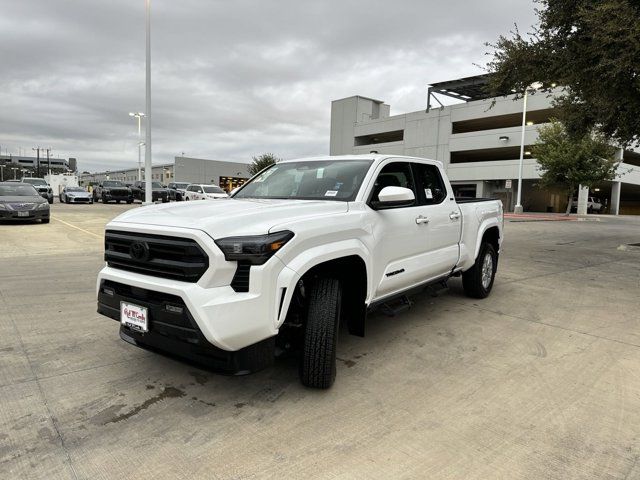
(23, 214)
(134, 316)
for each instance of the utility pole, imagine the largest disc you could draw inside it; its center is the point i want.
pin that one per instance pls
(37, 149)
(49, 163)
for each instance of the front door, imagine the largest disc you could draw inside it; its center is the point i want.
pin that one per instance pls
(400, 234)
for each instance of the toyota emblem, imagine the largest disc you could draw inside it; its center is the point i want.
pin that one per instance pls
(139, 251)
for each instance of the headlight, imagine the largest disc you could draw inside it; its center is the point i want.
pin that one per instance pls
(255, 249)
(3, 206)
(43, 206)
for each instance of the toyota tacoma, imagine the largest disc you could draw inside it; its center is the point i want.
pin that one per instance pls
(302, 247)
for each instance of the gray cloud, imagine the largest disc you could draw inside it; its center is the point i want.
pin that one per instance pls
(230, 79)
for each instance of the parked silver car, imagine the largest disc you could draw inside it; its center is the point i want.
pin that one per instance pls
(75, 195)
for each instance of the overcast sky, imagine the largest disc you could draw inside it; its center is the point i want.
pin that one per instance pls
(230, 79)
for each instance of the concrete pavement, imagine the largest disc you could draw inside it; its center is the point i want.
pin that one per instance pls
(540, 380)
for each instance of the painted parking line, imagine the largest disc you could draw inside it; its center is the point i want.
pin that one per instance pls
(78, 228)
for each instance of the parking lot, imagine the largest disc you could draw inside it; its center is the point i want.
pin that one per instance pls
(540, 380)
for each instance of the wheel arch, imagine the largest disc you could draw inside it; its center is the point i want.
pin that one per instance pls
(352, 271)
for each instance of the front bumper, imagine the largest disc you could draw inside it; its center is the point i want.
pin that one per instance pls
(80, 199)
(173, 330)
(118, 197)
(32, 215)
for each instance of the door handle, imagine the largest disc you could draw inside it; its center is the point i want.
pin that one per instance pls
(454, 215)
(420, 219)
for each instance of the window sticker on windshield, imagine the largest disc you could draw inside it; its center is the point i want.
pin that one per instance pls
(338, 185)
(331, 193)
(320, 173)
(428, 194)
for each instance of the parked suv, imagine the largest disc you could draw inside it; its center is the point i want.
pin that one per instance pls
(41, 186)
(303, 246)
(158, 192)
(204, 192)
(177, 190)
(112, 191)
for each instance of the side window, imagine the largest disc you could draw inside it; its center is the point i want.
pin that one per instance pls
(396, 174)
(199, 190)
(431, 189)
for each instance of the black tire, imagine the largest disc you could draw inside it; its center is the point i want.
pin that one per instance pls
(61, 200)
(472, 279)
(66, 200)
(318, 362)
(50, 200)
(104, 199)
(45, 220)
(129, 202)
(186, 199)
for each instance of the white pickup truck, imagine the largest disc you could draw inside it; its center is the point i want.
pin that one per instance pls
(302, 247)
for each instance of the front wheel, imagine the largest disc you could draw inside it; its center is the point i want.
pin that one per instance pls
(318, 362)
(478, 280)
(104, 199)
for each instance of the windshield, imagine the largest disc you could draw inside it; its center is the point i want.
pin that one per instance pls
(308, 180)
(17, 191)
(212, 189)
(35, 181)
(181, 185)
(74, 189)
(156, 185)
(112, 183)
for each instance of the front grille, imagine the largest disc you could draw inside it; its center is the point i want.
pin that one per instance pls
(22, 207)
(240, 282)
(118, 192)
(157, 255)
(43, 190)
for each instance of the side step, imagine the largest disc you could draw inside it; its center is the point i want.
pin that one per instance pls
(401, 304)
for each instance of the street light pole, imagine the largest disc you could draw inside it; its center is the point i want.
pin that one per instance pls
(534, 86)
(2, 173)
(139, 116)
(148, 195)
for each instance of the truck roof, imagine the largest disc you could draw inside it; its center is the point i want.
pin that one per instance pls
(369, 156)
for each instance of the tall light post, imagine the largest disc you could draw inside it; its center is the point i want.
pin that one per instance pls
(148, 192)
(15, 169)
(534, 86)
(139, 116)
(2, 173)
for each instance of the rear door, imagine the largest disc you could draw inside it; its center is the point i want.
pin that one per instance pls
(444, 224)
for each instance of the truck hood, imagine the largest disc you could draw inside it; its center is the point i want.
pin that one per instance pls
(230, 217)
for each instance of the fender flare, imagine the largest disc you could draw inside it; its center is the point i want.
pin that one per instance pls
(297, 267)
(484, 226)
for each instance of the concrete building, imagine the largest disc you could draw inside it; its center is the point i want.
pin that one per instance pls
(184, 169)
(58, 165)
(477, 140)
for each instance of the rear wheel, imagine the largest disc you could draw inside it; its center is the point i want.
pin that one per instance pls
(318, 362)
(478, 280)
(104, 199)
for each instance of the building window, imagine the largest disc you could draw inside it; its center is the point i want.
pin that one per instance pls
(383, 137)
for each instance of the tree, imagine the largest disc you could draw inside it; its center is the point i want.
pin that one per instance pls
(591, 48)
(567, 162)
(261, 162)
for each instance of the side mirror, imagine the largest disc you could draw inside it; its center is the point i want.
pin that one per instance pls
(391, 197)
